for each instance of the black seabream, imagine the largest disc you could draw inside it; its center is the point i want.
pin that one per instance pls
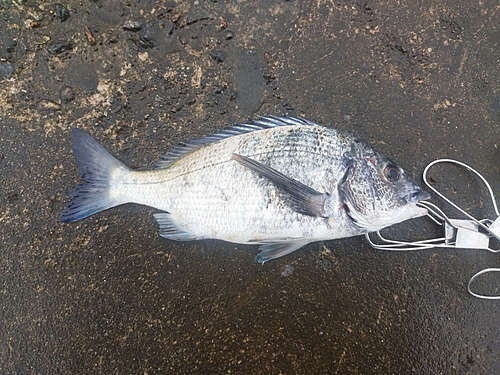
(280, 182)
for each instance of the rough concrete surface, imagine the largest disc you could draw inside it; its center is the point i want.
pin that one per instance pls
(418, 79)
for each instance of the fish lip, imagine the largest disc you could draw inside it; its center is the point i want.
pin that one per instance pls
(418, 196)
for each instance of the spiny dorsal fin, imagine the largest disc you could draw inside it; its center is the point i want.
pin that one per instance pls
(261, 123)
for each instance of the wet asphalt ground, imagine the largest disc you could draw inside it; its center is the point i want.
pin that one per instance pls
(107, 295)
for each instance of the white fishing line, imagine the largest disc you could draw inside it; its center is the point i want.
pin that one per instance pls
(458, 233)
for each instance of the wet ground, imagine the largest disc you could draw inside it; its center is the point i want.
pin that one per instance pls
(419, 80)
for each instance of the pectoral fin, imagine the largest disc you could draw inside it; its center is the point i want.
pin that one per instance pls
(273, 250)
(304, 199)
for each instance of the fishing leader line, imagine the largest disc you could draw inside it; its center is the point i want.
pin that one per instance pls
(469, 233)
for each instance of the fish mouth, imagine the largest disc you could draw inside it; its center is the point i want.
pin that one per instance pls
(419, 209)
(412, 209)
(418, 196)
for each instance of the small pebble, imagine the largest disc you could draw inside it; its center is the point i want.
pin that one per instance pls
(175, 17)
(148, 36)
(58, 48)
(90, 37)
(168, 26)
(6, 70)
(67, 94)
(113, 38)
(170, 6)
(10, 45)
(218, 56)
(130, 25)
(61, 12)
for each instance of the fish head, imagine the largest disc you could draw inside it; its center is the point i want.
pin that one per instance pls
(377, 192)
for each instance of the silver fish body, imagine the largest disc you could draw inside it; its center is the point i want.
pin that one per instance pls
(280, 182)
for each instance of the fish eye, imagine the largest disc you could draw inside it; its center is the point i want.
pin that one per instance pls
(392, 173)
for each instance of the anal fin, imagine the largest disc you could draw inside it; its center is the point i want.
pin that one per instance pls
(273, 250)
(170, 229)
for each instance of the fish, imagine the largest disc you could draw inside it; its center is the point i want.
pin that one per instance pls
(278, 182)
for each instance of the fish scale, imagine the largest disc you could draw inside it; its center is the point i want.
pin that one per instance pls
(248, 192)
(281, 182)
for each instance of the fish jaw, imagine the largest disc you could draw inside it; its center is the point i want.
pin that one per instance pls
(377, 222)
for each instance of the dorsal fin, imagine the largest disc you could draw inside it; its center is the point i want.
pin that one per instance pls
(261, 123)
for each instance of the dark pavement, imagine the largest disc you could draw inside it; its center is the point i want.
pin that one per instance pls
(107, 295)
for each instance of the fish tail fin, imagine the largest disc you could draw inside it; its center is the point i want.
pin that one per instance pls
(100, 173)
